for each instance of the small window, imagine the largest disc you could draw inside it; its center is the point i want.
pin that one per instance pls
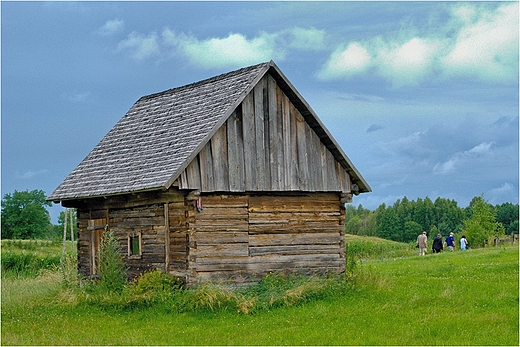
(134, 245)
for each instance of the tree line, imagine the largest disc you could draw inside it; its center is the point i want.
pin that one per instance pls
(405, 220)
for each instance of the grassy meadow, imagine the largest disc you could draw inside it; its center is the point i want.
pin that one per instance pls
(391, 297)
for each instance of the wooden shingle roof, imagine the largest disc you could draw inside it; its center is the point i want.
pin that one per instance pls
(161, 133)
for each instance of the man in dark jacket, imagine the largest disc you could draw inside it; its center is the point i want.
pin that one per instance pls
(437, 244)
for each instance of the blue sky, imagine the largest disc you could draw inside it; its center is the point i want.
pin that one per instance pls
(422, 96)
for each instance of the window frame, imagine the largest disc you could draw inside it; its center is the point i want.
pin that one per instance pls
(131, 236)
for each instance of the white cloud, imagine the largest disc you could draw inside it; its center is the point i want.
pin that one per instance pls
(233, 50)
(461, 158)
(476, 42)
(111, 27)
(486, 45)
(409, 63)
(306, 39)
(502, 193)
(346, 62)
(31, 174)
(481, 149)
(77, 97)
(142, 46)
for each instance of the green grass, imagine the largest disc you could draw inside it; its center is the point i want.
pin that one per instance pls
(459, 298)
(368, 247)
(26, 258)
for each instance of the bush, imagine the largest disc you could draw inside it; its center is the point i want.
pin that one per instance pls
(111, 265)
(156, 281)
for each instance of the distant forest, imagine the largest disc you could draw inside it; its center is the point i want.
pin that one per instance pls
(405, 220)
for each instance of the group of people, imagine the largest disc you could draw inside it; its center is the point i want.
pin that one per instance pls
(438, 245)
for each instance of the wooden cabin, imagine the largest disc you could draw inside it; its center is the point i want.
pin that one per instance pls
(229, 178)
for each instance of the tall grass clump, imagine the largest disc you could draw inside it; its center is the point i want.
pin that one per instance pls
(68, 270)
(26, 264)
(366, 247)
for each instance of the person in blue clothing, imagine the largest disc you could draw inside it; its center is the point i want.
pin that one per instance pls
(450, 242)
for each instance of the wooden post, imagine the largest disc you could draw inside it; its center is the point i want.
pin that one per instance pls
(65, 232)
(166, 239)
(71, 229)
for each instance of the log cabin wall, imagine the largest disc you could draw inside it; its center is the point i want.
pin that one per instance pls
(146, 216)
(265, 145)
(240, 238)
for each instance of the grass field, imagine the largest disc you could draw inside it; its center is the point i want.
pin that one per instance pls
(459, 298)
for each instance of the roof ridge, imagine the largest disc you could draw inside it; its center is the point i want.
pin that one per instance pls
(204, 81)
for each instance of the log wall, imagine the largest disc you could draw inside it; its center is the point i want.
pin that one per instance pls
(161, 220)
(242, 238)
(234, 237)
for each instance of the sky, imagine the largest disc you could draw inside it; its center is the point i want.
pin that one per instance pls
(421, 96)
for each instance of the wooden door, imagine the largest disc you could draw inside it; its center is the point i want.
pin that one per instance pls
(96, 228)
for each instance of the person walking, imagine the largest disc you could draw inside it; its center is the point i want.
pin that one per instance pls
(422, 243)
(450, 242)
(463, 243)
(437, 246)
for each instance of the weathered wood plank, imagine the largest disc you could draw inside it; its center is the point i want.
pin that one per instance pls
(248, 123)
(235, 152)
(293, 250)
(225, 201)
(286, 129)
(301, 145)
(220, 159)
(294, 239)
(206, 168)
(275, 135)
(218, 237)
(193, 174)
(259, 136)
(294, 173)
(222, 250)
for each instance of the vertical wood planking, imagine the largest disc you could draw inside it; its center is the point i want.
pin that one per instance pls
(265, 145)
(294, 173)
(286, 135)
(220, 159)
(267, 133)
(166, 238)
(249, 143)
(206, 168)
(275, 135)
(301, 147)
(235, 152)
(193, 174)
(323, 163)
(259, 138)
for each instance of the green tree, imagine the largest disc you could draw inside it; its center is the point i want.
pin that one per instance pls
(388, 223)
(360, 221)
(411, 231)
(24, 215)
(507, 214)
(482, 225)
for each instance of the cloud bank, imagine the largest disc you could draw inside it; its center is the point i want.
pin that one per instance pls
(232, 51)
(476, 42)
